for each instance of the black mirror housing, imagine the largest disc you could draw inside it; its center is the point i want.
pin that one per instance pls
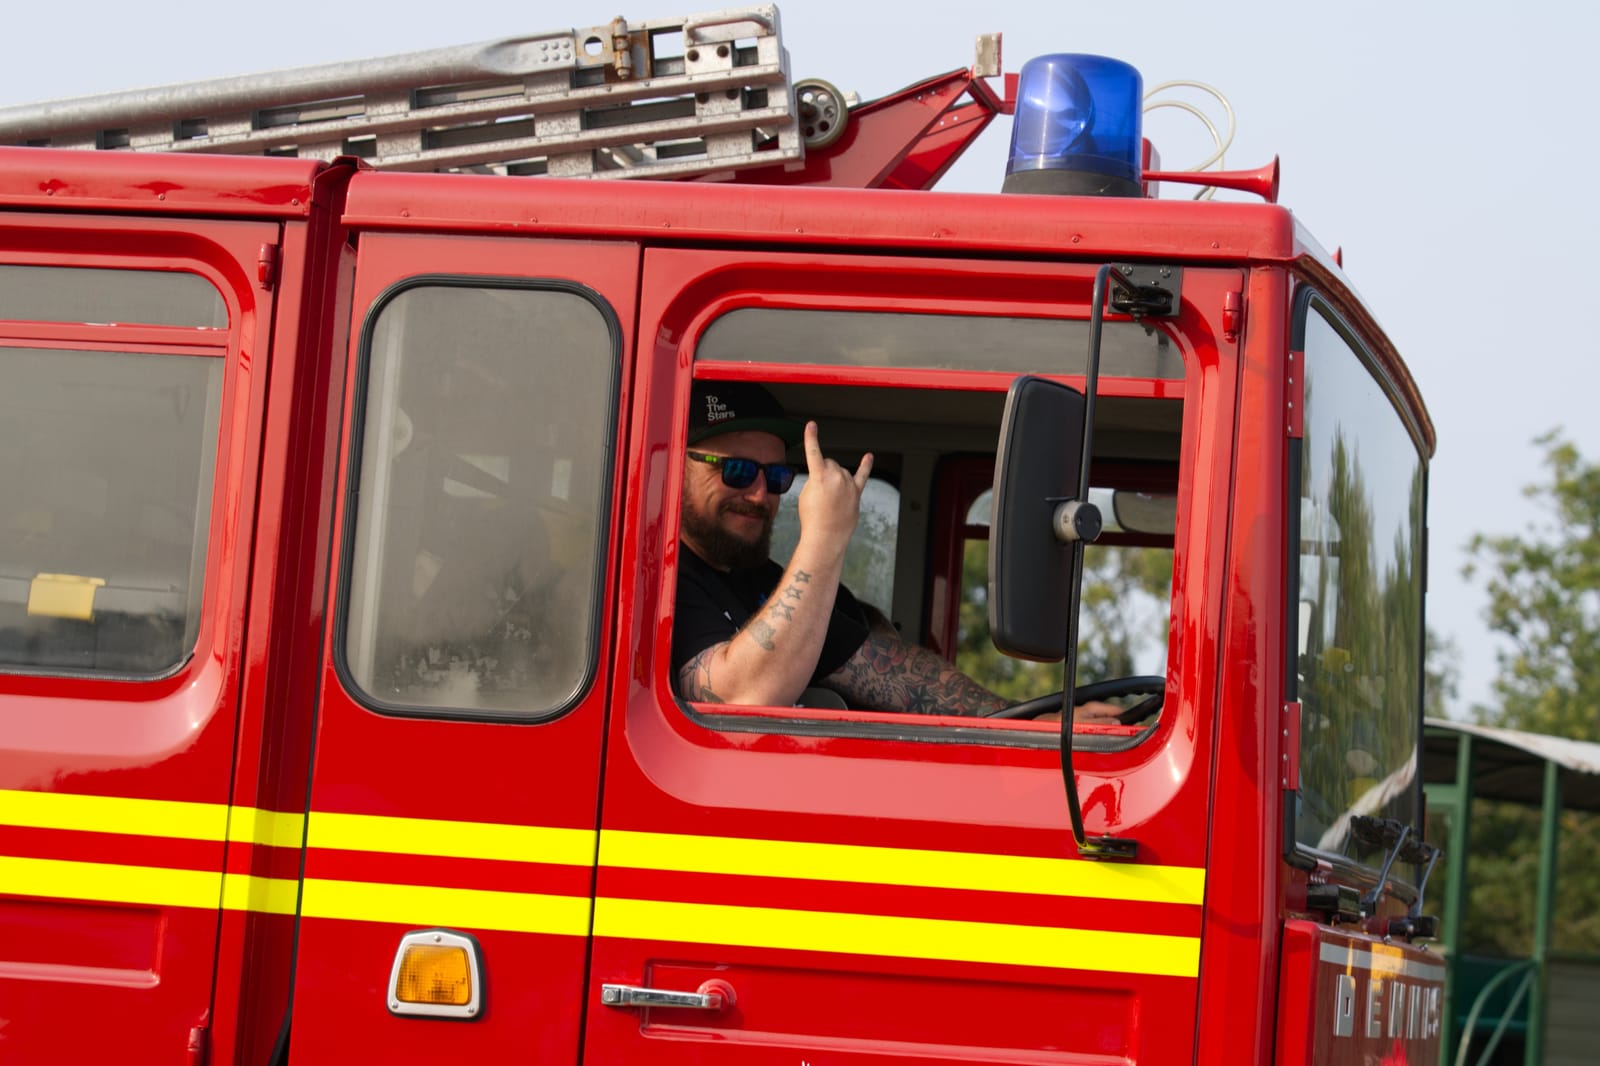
(1030, 569)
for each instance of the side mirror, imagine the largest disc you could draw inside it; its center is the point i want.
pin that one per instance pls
(1030, 566)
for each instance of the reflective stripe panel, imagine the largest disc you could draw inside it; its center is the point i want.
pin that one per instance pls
(456, 840)
(111, 883)
(759, 927)
(426, 905)
(677, 921)
(902, 866)
(916, 938)
(263, 895)
(273, 829)
(114, 814)
(798, 860)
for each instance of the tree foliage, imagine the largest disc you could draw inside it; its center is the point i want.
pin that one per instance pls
(1122, 627)
(1544, 600)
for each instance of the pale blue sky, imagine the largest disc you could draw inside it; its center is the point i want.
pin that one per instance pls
(1445, 147)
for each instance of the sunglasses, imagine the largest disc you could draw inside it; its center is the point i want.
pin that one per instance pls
(740, 473)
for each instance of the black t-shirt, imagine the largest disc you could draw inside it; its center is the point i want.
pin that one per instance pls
(712, 606)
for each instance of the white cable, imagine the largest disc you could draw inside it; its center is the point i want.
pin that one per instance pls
(1222, 143)
(1216, 139)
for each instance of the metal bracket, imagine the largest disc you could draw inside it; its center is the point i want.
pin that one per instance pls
(1109, 847)
(1337, 902)
(1146, 291)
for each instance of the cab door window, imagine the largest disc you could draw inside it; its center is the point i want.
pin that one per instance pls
(483, 463)
(924, 392)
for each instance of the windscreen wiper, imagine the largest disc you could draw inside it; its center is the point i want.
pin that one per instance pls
(1400, 842)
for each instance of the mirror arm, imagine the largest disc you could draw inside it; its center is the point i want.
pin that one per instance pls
(1104, 846)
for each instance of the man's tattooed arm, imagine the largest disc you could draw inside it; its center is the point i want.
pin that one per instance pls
(778, 611)
(694, 678)
(764, 628)
(887, 674)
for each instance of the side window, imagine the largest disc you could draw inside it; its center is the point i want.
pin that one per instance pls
(896, 394)
(1357, 603)
(485, 450)
(106, 467)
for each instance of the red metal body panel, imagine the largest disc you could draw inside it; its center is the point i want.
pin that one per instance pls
(509, 773)
(669, 773)
(279, 671)
(119, 917)
(1369, 1000)
(946, 223)
(236, 186)
(1237, 998)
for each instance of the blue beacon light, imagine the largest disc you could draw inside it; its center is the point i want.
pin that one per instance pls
(1077, 129)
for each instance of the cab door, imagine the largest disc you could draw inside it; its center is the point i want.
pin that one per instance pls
(133, 360)
(465, 671)
(816, 885)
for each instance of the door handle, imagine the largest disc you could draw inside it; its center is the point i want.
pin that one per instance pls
(712, 995)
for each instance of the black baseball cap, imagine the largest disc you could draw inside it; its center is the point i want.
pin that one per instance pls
(717, 407)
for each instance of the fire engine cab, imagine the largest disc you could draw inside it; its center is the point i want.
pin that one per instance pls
(341, 469)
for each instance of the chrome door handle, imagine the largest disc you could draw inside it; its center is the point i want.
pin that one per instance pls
(631, 996)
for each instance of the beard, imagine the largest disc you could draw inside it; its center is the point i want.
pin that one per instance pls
(722, 549)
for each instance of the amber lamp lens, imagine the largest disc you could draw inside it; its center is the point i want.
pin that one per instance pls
(435, 973)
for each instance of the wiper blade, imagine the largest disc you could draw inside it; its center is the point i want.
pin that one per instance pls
(1400, 842)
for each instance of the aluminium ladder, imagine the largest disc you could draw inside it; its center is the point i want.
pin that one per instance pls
(662, 98)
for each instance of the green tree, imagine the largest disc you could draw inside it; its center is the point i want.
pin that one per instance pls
(1544, 600)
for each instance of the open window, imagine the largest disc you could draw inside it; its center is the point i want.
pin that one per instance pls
(925, 393)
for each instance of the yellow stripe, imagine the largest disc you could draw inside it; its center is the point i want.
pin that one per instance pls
(902, 866)
(755, 927)
(114, 814)
(275, 829)
(457, 840)
(617, 848)
(264, 895)
(110, 883)
(916, 938)
(422, 905)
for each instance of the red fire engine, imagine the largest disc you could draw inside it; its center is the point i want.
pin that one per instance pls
(339, 549)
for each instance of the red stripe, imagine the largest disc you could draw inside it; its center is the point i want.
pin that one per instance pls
(261, 860)
(73, 845)
(952, 904)
(487, 874)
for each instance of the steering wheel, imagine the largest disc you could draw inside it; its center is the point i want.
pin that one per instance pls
(1140, 684)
